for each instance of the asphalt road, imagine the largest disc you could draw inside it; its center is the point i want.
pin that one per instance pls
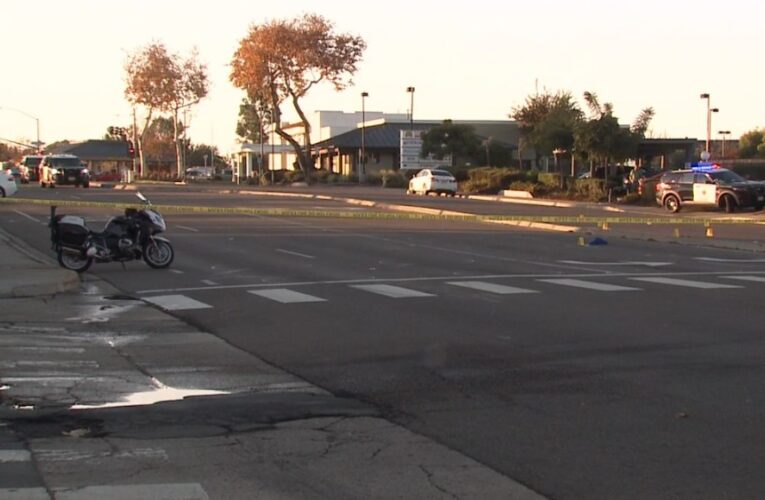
(630, 370)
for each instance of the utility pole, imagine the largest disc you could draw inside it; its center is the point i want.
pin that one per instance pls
(136, 147)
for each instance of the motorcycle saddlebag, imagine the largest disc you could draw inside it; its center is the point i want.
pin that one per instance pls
(71, 231)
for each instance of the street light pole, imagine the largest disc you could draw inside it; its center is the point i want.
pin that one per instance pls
(363, 170)
(411, 107)
(723, 133)
(709, 120)
(37, 123)
(710, 110)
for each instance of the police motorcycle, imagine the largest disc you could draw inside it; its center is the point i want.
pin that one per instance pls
(132, 236)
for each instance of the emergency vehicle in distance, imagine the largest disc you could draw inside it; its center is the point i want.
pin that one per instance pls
(708, 185)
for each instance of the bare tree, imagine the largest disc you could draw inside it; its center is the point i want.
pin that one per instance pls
(283, 59)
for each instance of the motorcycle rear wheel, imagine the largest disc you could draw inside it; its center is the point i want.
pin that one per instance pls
(158, 254)
(74, 262)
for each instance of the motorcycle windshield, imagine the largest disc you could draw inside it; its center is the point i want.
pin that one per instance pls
(156, 219)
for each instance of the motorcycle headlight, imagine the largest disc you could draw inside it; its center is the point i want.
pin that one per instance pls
(84, 171)
(54, 171)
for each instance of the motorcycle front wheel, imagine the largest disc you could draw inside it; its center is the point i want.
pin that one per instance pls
(74, 261)
(158, 254)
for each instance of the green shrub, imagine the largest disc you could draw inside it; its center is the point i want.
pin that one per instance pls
(321, 176)
(161, 175)
(491, 179)
(393, 179)
(532, 187)
(633, 198)
(373, 179)
(291, 176)
(551, 179)
(589, 190)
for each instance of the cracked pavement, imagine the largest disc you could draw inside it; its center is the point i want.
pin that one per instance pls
(264, 433)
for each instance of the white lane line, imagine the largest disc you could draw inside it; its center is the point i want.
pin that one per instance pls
(27, 216)
(394, 292)
(591, 285)
(7, 456)
(704, 285)
(176, 271)
(209, 282)
(757, 279)
(623, 263)
(187, 228)
(57, 364)
(177, 302)
(286, 296)
(168, 491)
(736, 261)
(296, 254)
(490, 287)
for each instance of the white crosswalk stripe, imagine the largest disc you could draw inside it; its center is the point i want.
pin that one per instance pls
(756, 279)
(490, 287)
(591, 285)
(286, 296)
(24, 494)
(177, 302)
(704, 285)
(394, 292)
(14, 456)
(289, 296)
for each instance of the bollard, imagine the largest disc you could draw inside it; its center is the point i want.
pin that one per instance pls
(676, 232)
(581, 241)
(710, 232)
(604, 226)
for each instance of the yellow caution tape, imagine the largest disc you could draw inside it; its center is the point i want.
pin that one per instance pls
(392, 215)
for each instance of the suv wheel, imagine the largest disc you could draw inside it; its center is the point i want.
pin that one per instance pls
(672, 203)
(728, 202)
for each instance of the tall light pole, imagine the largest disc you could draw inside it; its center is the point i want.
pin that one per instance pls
(37, 143)
(723, 133)
(411, 107)
(363, 169)
(272, 157)
(710, 110)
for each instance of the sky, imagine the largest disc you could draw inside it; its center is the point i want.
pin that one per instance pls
(63, 60)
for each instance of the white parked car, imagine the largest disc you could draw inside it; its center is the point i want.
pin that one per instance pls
(8, 185)
(433, 181)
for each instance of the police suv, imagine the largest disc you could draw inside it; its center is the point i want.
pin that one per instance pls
(708, 185)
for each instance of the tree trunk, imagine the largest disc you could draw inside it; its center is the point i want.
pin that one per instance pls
(178, 153)
(141, 138)
(304, 155)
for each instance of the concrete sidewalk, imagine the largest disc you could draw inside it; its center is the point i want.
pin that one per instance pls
(86, 384)
(24, 272)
